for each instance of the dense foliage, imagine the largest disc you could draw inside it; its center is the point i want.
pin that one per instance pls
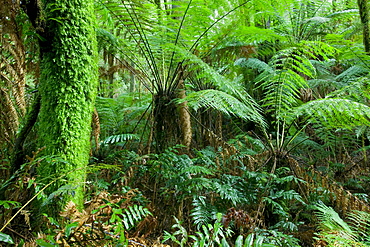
(216, 123)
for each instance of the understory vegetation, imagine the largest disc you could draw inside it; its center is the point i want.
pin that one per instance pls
(213, 123)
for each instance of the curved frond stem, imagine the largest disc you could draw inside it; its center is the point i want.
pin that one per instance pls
(141, 118)
(144, 38)
(141, 73)
(293, 138)
(176, 40)
(214, 23)
(146, 50)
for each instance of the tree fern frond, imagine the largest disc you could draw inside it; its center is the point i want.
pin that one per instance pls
(317, 20)
(120, 138)
(335, 113)
(360, 222)
(340, 14)
(351, 73)
(254, 63)
(291, 68)
(331, 221)
(282, 92)
(257, 35)
(356, 90)
(224, 103)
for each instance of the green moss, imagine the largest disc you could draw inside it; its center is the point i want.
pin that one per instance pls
(68, 89)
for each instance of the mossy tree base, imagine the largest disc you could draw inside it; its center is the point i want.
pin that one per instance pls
(68, 89)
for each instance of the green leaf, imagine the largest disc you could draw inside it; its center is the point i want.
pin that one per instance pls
(7, 204)
(43, 243)
(69, 227)
(224, 243)
(249, 240)
(239, 241)
(6, 238)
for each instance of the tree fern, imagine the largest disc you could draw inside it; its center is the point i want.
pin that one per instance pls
(254, 63)
(335, 113)
(120, 138)
(224, 103)
(336, 232)
(351, 73)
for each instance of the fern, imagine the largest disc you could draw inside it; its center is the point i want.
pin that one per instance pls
(335, 231)
(334, 113)
(133, 214)
(208, 235)
(254, 63)
(351, 73)
(120, 138)
(224, 103)
(180, 232)
(202, 213)
(360, 223)
(251, 240)
(228, 187)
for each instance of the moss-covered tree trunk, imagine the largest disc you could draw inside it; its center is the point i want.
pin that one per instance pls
(364, 15)
(68, 89)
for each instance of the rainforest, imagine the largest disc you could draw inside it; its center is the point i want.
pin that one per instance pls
(197, 123)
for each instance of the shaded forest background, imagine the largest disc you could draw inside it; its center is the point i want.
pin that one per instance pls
(184, 123)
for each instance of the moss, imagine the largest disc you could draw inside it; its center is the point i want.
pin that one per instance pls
(68, 89)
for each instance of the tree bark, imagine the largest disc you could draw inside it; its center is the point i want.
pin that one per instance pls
(68, 85)
(185, 122)
(364, 15)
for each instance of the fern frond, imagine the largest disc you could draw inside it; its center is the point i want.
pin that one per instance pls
(133, 214)
(120, 138)
(336, 232)
(282, 92)
(224, 103)
(257, 35)
(195, 170)
(291, 67)
(228, 192)
(335, 113)
(351, 73)
(254, 63)
(360, 222)
(202, 213)
(331, 221)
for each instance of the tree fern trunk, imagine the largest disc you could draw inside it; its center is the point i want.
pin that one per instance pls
(166, 122)
(68, 89)
(185, 121)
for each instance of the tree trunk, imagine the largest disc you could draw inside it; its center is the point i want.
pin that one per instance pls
(68, 85)
(167, 129)
(185, 122)
(364, 15)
